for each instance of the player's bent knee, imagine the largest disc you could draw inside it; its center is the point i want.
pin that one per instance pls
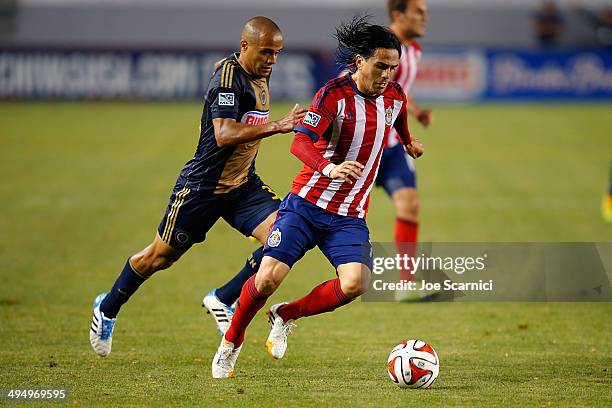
(147, 265)
(270, 275)
(266, 284)
(351, 288)
(162, 262)
(155, 258)
(407, 205)
(354, 284)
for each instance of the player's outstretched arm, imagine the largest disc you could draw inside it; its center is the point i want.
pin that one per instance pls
(424, 116)
(412, 145)
(228, 132)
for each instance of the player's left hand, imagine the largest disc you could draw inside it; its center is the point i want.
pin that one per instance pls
(349, 170)
(425, 117)
(291, 119)
(415, 148)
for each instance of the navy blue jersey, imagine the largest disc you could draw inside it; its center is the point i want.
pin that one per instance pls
(233, 94)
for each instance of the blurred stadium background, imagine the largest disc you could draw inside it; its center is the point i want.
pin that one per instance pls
(149, 49)
(100, 106)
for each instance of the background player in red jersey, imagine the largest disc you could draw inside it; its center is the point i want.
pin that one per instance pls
(340, 141)
(397, 173)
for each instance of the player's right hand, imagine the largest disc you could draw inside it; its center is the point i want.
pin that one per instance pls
(349, 170)
(291, 119)
(425, 117)
(415, 149)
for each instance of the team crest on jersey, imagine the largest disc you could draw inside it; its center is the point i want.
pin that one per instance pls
(389, 116)
(226, 99)
(274, 239)
(263, 97)
(312, 119)
(182, 237)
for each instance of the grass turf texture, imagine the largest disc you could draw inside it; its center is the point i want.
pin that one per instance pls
(84, 186)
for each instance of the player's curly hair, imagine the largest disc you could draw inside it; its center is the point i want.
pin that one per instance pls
(360, 37)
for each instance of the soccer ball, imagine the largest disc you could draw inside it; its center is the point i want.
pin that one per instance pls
(413, 364)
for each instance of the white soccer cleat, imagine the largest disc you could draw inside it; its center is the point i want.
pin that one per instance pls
(225, 359)
(101, 331)
(221, 312)
(277, 339)
(415, 296)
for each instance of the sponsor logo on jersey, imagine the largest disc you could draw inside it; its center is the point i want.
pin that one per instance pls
(254, 118)
(312, 119)
(226, 99)
(389, 116)
(274, 239)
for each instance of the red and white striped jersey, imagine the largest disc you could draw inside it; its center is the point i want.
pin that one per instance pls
(407, 70)
(348, 125)
(406, 73)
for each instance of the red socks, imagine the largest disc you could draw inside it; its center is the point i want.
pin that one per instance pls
(406, 233)
(249, 303)
(323, 298)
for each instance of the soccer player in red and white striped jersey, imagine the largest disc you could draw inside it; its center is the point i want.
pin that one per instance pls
(340, 142)
(397, 173)
(344, 124)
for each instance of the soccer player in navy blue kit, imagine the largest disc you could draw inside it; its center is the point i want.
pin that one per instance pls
(340, 141)
(220, 180)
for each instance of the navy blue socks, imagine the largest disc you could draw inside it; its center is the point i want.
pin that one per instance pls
(126, 284)
(129, 281)
(229, 292)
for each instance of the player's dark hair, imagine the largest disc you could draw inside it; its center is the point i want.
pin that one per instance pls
(359, 37)
(396, 5)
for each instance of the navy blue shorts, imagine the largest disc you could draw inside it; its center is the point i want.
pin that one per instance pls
(191, 214)
(301, 225)
(396, 170)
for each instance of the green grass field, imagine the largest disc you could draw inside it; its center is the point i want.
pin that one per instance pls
(85, 185)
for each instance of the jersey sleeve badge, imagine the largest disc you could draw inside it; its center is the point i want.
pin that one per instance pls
(312, 119)
(226, 99)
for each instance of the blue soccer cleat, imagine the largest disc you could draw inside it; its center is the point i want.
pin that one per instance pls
(101, 331)
(221, 312)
